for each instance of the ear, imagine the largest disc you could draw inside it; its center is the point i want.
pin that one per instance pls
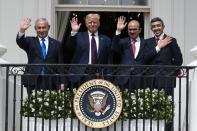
(140, 30)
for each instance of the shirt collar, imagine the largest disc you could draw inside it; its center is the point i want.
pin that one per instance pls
(95, 34)
(137, 39)
(46, 38)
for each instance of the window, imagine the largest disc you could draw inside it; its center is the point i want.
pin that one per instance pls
(108, 9)
(105, 2)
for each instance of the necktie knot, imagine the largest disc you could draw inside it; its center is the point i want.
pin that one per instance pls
(134, 41)
(92, 34)
(42, 39)
(157, 40)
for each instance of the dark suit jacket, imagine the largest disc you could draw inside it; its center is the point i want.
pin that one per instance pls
(79, 44)
(123, 48)
(32, 47)
(169, 55)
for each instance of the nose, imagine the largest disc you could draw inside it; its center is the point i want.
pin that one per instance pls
(41, 29)
(92, 23)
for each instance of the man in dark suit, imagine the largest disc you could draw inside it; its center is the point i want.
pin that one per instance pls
(131, 52)
(162, 50)
(41, 49)
(89, 47)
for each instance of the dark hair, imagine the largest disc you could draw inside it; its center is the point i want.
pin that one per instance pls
(157, 19)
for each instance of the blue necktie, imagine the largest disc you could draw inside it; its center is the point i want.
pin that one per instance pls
(43, 48)
(42, 71)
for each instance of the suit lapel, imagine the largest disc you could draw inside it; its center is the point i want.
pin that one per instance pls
(86, 38)
(50, 47)
(141, 47)
(164, 36)
(38, 46)
(101, 45)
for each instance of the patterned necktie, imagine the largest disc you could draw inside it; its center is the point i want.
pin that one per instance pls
(133, 48)
(43, 48)
(93, 50)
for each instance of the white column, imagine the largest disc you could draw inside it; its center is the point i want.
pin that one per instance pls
(193, 93)
(3, 50)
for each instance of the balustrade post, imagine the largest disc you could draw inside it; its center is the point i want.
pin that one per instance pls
(193, 92)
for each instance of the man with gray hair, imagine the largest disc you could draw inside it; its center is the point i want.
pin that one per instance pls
(40, 49)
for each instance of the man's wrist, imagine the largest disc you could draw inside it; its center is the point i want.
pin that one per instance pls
(118, 32)
(20, 34)
(157, 49)
(73, 33)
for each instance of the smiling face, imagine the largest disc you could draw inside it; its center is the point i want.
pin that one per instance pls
(42, 27)
(157, 27)
(92, 22)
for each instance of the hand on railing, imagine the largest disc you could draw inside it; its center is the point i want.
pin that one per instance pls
(61, 87)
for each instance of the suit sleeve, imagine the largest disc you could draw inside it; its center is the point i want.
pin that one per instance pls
(149, 52)
(110, 57)
(60, 61)
(116, 46)
(60, 53)
(176, 53)
(71, 42)
(22, 42)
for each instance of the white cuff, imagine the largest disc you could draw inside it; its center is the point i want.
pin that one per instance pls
(157, 49)
(118, 33)
(73, 33)
(20, 34)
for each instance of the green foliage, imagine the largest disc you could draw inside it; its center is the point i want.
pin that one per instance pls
(48, 104)
(143, 103)
(147, 104)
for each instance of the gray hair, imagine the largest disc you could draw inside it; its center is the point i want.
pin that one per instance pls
(42, 19)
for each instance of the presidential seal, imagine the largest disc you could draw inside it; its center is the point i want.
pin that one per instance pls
(97, 103)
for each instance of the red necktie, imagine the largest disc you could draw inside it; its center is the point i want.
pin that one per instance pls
(93, 50)
(157, 39)
(133, 41)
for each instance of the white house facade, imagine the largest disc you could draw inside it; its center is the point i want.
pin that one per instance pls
(178, 15)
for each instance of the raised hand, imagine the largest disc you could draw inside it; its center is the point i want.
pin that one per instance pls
(74, 24)
(164, 42)
(121, 24)
(25, 24)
